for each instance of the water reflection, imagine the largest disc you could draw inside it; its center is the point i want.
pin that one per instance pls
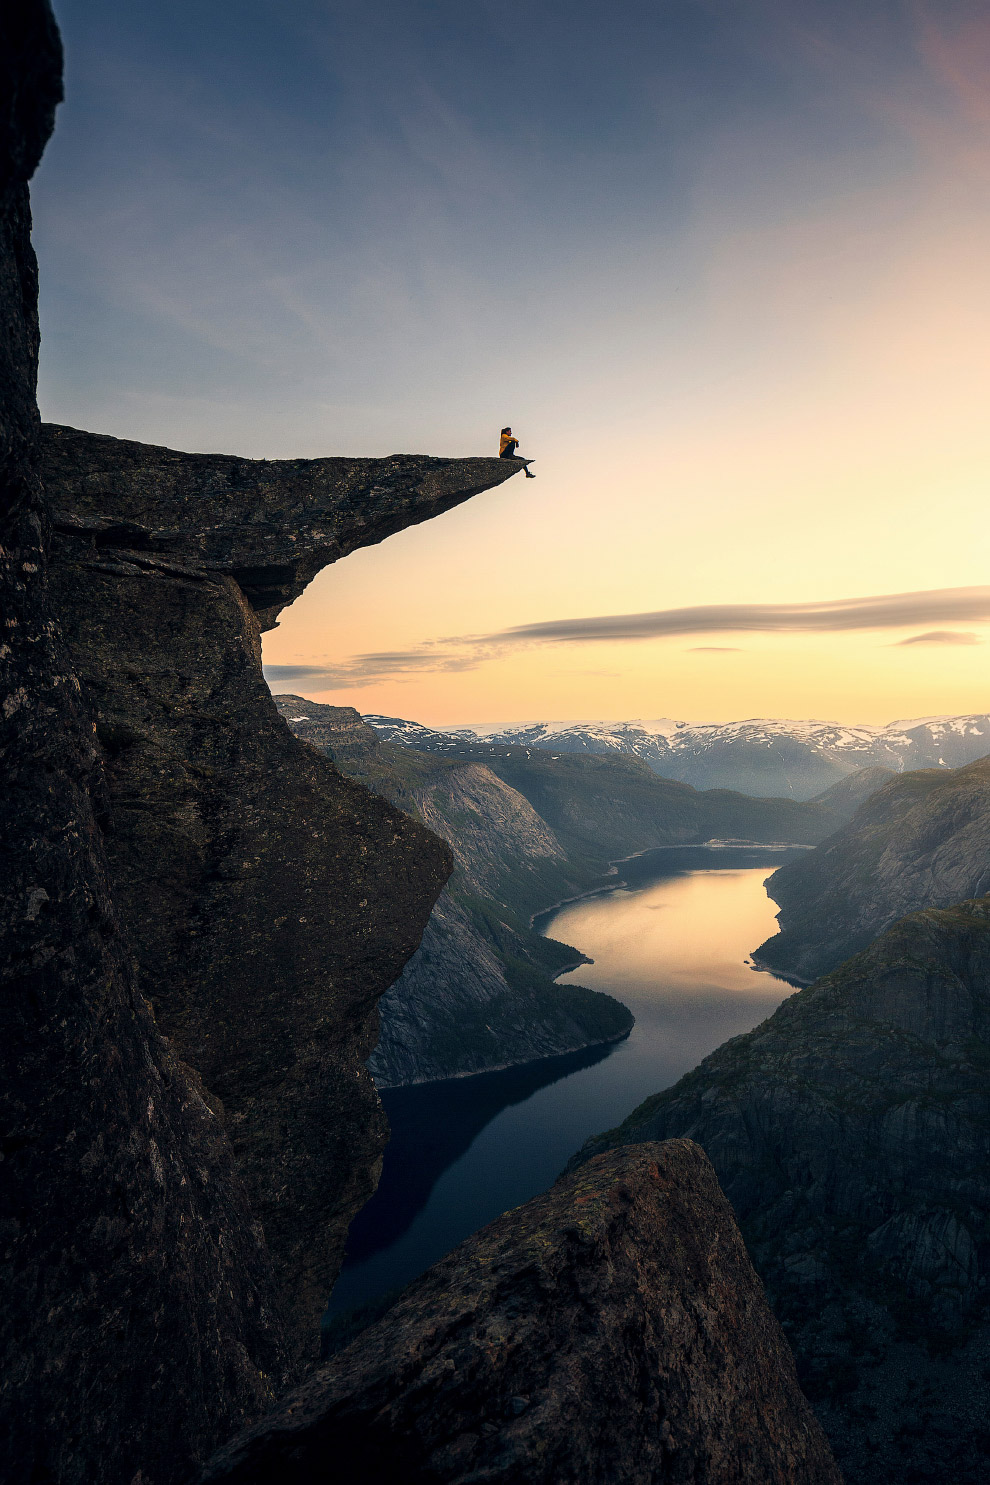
(673, 943)
(432, 1125)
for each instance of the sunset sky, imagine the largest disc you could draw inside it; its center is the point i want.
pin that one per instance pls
(723, 267)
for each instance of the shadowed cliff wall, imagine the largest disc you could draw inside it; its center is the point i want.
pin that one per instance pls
(269, 900)
(136, 1319)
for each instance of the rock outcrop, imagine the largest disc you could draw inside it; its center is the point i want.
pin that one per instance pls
(137, 1323)
(269, 900)
(851, 1132)
(923, 840)
(610, 1330)
(477, 994)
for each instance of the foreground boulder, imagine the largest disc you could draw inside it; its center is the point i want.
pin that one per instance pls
(611, 1330)
(851, 1132)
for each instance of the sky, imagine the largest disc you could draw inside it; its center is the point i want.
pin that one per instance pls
(722, 266)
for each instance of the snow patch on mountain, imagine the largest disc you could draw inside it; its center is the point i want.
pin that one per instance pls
(759, 755)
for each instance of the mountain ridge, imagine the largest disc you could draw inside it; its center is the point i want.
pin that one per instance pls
(529, 830)
(922, 840)
(762, 757)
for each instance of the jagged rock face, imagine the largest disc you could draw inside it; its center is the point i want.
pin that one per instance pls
(476, 995)
(269, 900)
(851, 1132)
(921, 841)
(610, 1330)
(137, 1327)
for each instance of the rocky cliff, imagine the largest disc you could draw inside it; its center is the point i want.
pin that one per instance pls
(269, 900)
(137, 1323)
(923, 840)
(851, 1132)
(477, 994)
(610, 1330)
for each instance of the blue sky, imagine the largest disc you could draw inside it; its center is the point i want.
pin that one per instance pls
(685, 248)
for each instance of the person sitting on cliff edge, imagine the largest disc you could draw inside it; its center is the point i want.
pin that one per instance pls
(507, 446)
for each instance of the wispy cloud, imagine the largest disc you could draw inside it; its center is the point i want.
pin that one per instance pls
(887, 611)
(365, 670)
(942, 637)
(715, 650)
(468, 651)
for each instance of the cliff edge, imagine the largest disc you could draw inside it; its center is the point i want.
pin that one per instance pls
(137, 1325)
(269, 901)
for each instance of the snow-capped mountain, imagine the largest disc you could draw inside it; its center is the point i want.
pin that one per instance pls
(763, 757)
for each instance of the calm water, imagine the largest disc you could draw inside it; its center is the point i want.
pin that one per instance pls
(673, 943)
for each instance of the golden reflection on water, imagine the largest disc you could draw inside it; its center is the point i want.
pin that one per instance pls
(685, 934)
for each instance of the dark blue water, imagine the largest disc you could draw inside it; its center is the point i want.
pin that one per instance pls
(672, 940)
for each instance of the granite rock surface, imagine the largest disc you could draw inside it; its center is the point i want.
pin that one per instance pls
(610, 1330)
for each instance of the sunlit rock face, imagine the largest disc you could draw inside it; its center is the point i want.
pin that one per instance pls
(269, 900)
(921, 841)
(851, 1132)
(610, 1330)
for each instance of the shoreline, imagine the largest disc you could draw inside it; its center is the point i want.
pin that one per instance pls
(716, 843)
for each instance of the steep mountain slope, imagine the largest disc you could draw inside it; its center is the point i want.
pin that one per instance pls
(923, 840)
(611, 1330)
(477, 994)
(845, 797)
(851, 1132)
(760, 757)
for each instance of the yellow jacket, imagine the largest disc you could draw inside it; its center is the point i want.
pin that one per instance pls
(504, 440)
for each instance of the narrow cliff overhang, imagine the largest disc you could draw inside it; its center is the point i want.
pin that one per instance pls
(268, 901)
(271, 524)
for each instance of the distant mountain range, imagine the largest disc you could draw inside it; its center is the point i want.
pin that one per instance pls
(761, 757)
